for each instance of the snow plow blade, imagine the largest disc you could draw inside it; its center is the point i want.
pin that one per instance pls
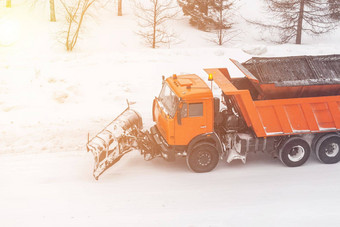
(118, 138)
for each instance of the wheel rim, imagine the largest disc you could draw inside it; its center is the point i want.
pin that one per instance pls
(204, 158)
(296, 153)
(332, 150)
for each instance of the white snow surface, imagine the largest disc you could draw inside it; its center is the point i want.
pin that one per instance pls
(50, 100)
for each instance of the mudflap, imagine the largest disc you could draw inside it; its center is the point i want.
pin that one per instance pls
(123, 135)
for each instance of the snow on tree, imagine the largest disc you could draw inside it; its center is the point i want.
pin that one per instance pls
(334, 8)
(153, 16)
(198, 10)
(209, 14)
(75, 13)
(290, 18)
(221, 15)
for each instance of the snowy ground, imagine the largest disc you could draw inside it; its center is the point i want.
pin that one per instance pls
(57, 189)
(50, 100)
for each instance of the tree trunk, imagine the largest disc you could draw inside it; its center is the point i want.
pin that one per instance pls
(120, 8)
(8, 3)
(52, 11)
(220, 37)
(204, 7)
(300, 20)
(154, 24)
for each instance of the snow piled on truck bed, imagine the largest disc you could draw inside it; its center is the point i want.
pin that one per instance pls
(50, 100)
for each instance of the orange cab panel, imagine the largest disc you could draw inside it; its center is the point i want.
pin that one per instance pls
(195, 98)
(196, 119)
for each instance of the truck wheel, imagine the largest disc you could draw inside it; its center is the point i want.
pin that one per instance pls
(202, 158)
(294, 152)
(328, 149)
(315, 141)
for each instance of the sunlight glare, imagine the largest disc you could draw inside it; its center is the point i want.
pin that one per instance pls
(10, 32)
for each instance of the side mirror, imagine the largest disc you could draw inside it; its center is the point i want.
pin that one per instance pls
(153, 108)
(179, 113)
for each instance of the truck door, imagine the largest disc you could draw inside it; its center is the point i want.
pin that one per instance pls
(192, 122)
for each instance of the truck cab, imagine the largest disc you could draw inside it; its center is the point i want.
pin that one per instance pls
(184, 109)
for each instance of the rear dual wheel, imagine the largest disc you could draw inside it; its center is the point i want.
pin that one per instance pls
(296, 151)
(327, 149)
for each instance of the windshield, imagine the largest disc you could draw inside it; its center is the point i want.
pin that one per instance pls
(168, 100)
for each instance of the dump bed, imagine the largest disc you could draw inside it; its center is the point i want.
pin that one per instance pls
(290, 77)
(299, 115)
(281, 116)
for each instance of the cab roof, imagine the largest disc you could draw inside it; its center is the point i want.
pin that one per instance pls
(189, 86)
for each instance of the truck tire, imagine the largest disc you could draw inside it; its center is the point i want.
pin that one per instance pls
(202, 158)
(294, 152)
(315, 141)
(328, 149)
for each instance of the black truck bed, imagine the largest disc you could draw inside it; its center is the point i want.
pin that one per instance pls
(296, 70)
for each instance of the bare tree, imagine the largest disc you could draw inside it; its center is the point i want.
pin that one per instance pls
(221, 18)
(222, 36)
(334, 7)
(290, 18)
(8, 3)
(75, 13)
(152, 18)
(52, 11)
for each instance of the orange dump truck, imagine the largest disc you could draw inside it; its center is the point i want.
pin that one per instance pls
(286, 107)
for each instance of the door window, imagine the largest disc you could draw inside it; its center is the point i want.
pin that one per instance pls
(194, 110)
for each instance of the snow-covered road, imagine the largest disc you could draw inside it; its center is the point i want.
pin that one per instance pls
(57, 189)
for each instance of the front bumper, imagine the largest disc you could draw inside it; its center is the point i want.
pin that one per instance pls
(167, 152)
